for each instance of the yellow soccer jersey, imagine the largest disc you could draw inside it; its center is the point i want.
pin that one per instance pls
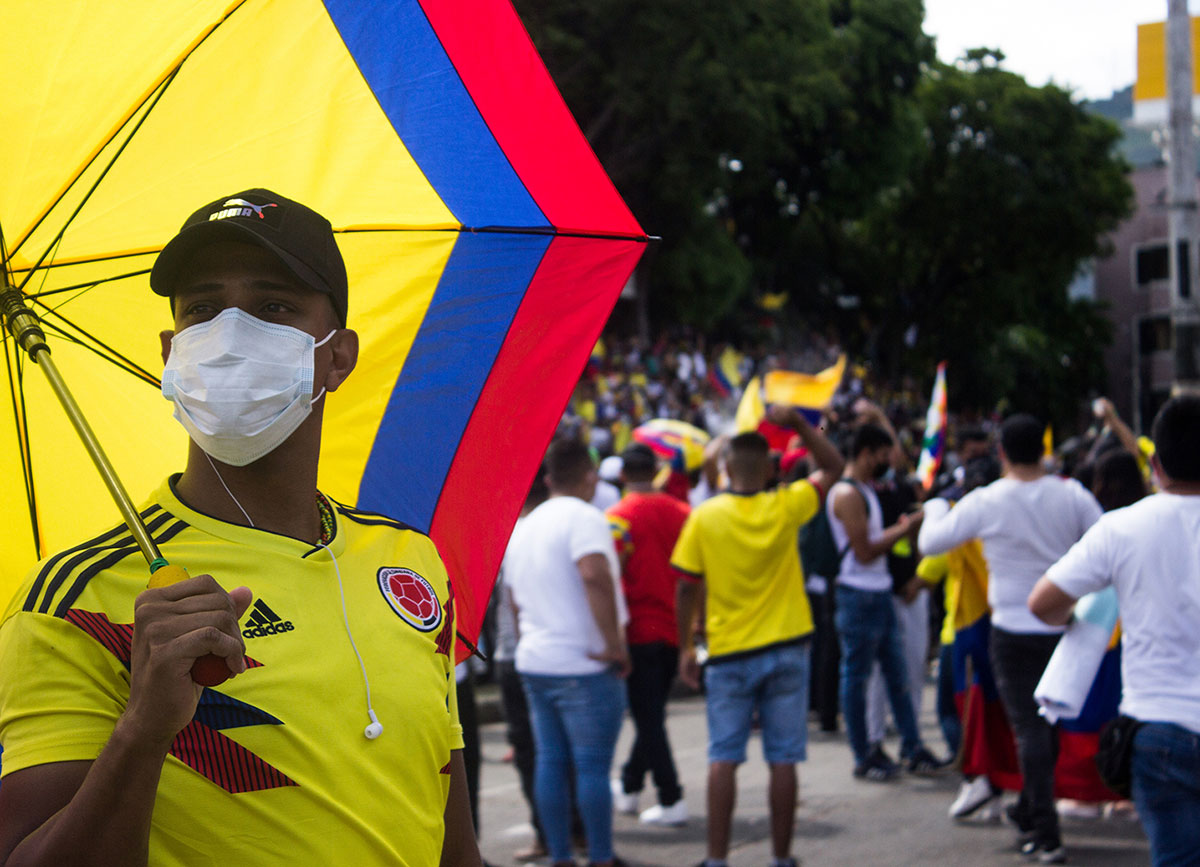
(966, 575)
(274, 767)
(746, 548)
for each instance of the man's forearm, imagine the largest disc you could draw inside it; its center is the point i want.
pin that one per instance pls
(107, 820)
(599, 590)
(940, 531)
(888, 540)
(1050, 604)
(824, 453)
(687, 597)
(459, 847)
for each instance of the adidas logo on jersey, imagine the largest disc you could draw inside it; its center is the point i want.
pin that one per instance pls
(263, 622)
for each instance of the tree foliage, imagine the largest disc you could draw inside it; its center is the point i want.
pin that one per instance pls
(726, 125)
(815, 147)
(1013, 190)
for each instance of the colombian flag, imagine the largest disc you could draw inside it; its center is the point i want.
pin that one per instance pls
(988, 747)
(808, 392)
(723, 373)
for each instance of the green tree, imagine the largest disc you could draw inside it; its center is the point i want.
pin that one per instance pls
(735, 130)
(1014, 189)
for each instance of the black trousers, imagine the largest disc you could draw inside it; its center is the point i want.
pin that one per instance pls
(649, 683)
(468, 718)
(519, 733)
(1018, 660)
(826, 659)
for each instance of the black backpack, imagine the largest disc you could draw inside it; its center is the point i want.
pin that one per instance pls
(818, 553)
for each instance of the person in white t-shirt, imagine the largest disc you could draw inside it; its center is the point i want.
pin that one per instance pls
(1026, 521)
(1149, 552)
(571, 652)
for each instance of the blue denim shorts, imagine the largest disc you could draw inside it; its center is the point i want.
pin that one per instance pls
(775, 683)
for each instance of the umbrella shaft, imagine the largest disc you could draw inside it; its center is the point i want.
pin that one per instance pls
(23, 324)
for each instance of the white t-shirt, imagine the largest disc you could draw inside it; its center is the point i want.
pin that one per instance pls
(1150, 552)
(873, 576)
(506, 616)
(607, 495)
(557, 630)
(1024, 527)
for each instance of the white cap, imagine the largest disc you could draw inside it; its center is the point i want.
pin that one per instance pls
(610, 469)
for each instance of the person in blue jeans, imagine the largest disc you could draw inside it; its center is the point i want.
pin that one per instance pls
(739, 553)
(1148, 552)
(562, 568)
(865, 618)
(576, 721)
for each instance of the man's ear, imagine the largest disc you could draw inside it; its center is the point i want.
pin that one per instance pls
(1156, 465)
(343, 347)
(165, 337)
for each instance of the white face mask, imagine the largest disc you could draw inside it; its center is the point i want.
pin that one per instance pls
(241, 386)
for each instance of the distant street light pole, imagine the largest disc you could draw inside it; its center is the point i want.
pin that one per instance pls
(1181, 195)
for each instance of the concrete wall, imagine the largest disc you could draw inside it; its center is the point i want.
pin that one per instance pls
(1134, 376)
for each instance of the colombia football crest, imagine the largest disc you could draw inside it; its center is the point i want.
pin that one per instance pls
(412, 597)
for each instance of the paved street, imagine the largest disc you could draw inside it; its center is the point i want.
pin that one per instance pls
(841, 820)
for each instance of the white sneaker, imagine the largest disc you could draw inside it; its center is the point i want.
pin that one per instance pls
(623, 802)
(672, 816)
(989, 812)
(972, 795)
(1071, 809)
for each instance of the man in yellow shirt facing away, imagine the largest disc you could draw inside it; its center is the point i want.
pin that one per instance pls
(741, 550)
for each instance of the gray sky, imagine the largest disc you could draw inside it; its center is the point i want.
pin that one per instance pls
(1087, 46)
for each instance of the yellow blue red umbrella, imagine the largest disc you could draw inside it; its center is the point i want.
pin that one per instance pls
(679, 442)
(485, 244)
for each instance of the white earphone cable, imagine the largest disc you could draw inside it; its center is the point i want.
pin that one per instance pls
(374, 729)
(226, 487)
(346, 622)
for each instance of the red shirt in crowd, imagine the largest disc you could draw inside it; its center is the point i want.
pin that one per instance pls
(645, 527)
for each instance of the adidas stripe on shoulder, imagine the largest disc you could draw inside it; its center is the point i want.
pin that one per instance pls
(63, 577)
(358, 516)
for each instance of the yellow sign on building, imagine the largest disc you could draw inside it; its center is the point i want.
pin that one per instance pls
(1150, 89)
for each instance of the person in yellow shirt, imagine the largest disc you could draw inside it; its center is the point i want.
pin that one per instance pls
(740, 549)
(113, 754)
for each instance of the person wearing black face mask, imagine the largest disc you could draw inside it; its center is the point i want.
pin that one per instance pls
(897, 496)
(865, 619)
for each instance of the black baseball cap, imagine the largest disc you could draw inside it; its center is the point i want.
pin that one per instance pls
(301, 238)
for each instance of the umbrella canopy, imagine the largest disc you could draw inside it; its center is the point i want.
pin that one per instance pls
(485, 245)
(677, 441)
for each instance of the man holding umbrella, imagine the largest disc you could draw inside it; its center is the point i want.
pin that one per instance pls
(108, 739)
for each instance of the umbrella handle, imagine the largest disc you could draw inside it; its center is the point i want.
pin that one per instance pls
(209, 670)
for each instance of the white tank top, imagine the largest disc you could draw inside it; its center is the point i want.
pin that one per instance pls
(873, 576)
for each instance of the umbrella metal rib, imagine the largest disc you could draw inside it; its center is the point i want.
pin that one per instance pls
(26, 330)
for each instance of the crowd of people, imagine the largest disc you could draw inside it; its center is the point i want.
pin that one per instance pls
(814, 580)
(790, 570)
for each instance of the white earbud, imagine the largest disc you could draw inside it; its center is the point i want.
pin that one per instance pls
(375, 729)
